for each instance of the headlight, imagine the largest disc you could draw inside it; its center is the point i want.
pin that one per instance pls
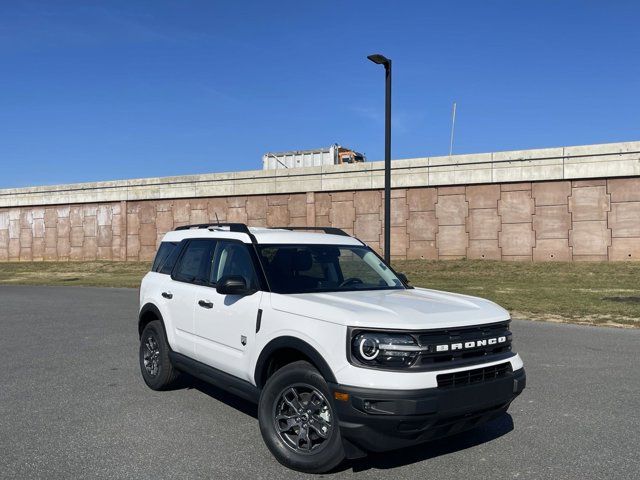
(381, 349)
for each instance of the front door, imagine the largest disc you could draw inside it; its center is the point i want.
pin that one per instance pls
(225, 324)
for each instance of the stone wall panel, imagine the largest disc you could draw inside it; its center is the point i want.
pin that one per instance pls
(63, 227)
(76, 216)
(483, 196)
(516, 206)
(627, 249)
(77, 236)
(422, 249)
(399, 211)
(624, 219)
(590, 238)
(298, 205)
(148, 234)
(90, 248)
(452, 241)
(197, 217)
(323, 204)
(14, 229)
(50, 217)
(483, 224)
(484, 250)
(235, 215)
(216, 210)
(105, 236)
(367, 227)
(90, 226)
(14, 249)
(38, 228)
(277, 216)
(367, 201)
(342, 214)
(517, 239)
(422, 226)
(552, 222)
(256, 207)
(399, 242)
(624, 189)
(551, 193)
(552, 250)
(164, 221)
(421, 199)
(589, 203)
(451, 209)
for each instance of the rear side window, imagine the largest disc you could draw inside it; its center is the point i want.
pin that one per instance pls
(195, 263)
(165, 250)
(170, 261)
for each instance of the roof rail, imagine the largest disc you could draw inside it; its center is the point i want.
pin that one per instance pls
(233, 227)
(242, 228)
(329, 230)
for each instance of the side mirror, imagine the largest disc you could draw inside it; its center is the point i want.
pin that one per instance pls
(233, 285)
(403, 278)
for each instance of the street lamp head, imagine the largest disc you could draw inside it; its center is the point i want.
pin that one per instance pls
(379, 59)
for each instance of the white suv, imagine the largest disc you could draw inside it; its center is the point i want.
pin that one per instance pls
(341, 353)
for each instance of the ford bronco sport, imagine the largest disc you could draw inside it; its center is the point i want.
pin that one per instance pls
(341, 354)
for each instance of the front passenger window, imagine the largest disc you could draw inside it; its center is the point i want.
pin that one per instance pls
(233, 258)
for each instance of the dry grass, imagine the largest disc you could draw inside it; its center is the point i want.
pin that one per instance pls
(594, 293)
(94, 274)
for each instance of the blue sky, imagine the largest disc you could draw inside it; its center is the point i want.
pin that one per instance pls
(106, 90)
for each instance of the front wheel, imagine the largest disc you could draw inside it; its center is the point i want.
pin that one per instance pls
(297, 420)
(157, 371)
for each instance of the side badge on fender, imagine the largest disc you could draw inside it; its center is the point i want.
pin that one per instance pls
(243, 340)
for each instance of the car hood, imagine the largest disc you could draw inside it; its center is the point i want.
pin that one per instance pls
(409, 309)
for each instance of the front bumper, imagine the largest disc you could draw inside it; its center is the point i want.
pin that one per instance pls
(379, 420)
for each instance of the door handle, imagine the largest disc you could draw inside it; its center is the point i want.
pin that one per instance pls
(205, 303)
(168, 295)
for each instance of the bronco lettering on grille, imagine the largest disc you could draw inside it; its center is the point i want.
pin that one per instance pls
(470, 344)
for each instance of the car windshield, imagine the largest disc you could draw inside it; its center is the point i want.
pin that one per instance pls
(325, 268)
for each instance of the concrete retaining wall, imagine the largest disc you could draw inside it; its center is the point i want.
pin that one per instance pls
(560, 220)
(503, 206)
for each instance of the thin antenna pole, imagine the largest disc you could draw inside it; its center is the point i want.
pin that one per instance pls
(217, 221)
(453, 128)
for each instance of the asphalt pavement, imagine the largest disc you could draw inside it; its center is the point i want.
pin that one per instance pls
(73, 405)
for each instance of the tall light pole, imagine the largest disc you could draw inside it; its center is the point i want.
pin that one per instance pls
(382, 60)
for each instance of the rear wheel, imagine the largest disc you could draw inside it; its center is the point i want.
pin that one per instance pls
(157, 371)
(297, 420)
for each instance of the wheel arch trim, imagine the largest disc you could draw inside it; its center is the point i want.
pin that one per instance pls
(149, 308)
(290, 343)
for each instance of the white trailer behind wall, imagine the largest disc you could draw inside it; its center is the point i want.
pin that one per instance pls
(333, 155)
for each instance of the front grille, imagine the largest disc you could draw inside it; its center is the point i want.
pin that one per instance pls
(477, 375)
(463, 336)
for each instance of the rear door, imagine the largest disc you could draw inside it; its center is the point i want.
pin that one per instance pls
(191, 271)
(225, 324)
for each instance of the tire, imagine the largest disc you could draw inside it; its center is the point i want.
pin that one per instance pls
(285, 402)
(157, 371)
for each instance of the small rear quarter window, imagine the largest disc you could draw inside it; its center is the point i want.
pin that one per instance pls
(164, 254)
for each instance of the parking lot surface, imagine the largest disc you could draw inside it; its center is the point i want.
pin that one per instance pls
(73, 405)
